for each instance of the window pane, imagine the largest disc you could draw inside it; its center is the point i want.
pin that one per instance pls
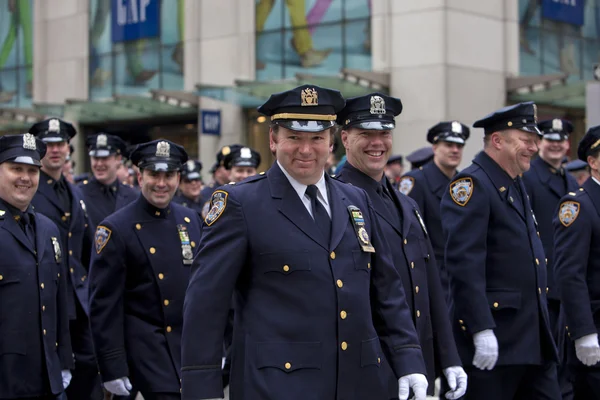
(269, 56)
(16, 34)
(269, 15)
(357, 9)
(357, 44)
(8, 88)
(100, 21)
(101, 76)
(319, 52)
(171, 21)
(25, 81)
(530, 52)
(172, 67)
(136, 66)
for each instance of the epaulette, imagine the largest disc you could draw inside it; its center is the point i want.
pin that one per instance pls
(253, 178)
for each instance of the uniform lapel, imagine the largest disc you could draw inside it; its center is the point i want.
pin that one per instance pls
(436, 179)
(339, 212)
(47, 191)
(292, 207)
(40, 236)
(542, 169)
(406, 217)
(10, 225)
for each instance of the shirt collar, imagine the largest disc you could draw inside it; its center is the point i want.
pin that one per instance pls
(300, 188)
(596, 180)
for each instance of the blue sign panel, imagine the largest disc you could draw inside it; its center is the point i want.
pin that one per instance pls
(569, 11)
(211, 122)
(135, 19)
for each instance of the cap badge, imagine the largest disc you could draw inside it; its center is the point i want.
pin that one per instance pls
(456, 127)
(377, 105)
(163, 149)
(245, 152)
(29, 142)
(310, 97)
(557, 125)
(101, 140)
(54, 125)
(191, 165)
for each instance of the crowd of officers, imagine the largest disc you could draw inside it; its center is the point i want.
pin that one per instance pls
(294, 283)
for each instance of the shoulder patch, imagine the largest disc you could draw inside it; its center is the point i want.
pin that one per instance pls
(218, 202)
(568, 212)
(461, 191)
(102, 237)
(406, 185)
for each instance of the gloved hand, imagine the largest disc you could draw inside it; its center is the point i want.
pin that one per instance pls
(416, 382)
(120, 387)
(587, 349)
(486, 349)
(457, 380)
(66, 377)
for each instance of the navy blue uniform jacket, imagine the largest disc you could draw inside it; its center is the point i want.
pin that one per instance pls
(545, 189)
(578, 260)
(412, 257)
(34, 325)
(76, 235)
(95, 199)
(495, 260)
(137, 286)
(313, 320)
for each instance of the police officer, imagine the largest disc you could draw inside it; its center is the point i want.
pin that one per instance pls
(427, 184)
(242, 163)
(579, 170)
(367, 123)
(220, 172)
(420, 157)
(104, 193)
(63, 203)
(137, 286)
(394, 170)
(576, 237)
(546, 182)
(35, 350)
(190, 186)
(318, 302)
(495, 260)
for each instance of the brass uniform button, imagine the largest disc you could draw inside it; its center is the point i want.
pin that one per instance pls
(539, 290)
(288, 365)
(418, 313)
(368, 265)
(416, 289)
(339, 283)
(44, 332)
(138, 226)
(343, 314)
(193, 244)
(152, 250)
(460, 321)
(70, 252)
(1, 277)
(412, 264)
(463, 328)
(71, 270)
(43, 308)
(83, 278)
(70, 234)
(186, 219)
(286, 268)
(405, 242)
(332, 255)
(42, 285)
(63, 218)
(496, 304)
(537, 262)
(169, 329)
(344, 346)
(166, 302)
(547, 289)
(161, 276)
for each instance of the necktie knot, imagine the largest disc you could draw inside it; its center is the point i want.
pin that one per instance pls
(318, 212)
(312, 191)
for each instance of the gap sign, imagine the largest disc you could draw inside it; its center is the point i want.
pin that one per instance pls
(134, 19)
(569, 11)
(211, 122)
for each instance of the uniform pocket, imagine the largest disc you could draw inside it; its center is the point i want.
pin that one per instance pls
(362, 260)
(284, 263)
(289, 357)
(370, 352)
(503, 299)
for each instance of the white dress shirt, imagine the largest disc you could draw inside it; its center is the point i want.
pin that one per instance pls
(300, 188)
(596, 180)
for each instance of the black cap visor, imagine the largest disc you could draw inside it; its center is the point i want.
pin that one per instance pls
(305, 125)
(160, 164)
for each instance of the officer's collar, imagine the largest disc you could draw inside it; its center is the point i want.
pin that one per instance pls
(499, 176)
(113, 186)
(153, 210)
(364, 178)
(14, 211)
(554, 171)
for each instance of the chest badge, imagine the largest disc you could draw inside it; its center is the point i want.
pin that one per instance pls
(186, 247)
(57, 251)
(358, 222)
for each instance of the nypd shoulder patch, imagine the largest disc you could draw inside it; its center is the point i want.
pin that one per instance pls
(461, 191)
(218, 202)
(102, 237)
(568, 212)
(406, 185)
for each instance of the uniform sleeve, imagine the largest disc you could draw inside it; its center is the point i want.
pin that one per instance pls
(65, 351)
(572, 248)
(221, 256)
(107, 284)
(465, 231)
(391, 315)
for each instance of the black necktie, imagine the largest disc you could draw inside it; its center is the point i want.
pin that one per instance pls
(26, 224)
(393, 211)
(319, 213)
(63, 195)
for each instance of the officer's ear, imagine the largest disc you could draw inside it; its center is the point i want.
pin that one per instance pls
(344, 135)
(593, 161)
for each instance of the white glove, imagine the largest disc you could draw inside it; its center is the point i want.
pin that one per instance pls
(587, 349)
(120, 387)
(66, 377)
(486, 349)
(457, 380)
(416, 382)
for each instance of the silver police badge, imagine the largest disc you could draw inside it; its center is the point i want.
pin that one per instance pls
(57, 252)
(456, 127)
(377, 105)
(406, 185)
(54, 125)
(191, 165)
(163, 149)
(568, 212)
(218, 202)
(557, 125)
(101, 140)
(29, 142)
(245, 152)
(461, 191)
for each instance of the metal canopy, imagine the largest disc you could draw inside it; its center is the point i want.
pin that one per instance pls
(251, 94)
(550, 90)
